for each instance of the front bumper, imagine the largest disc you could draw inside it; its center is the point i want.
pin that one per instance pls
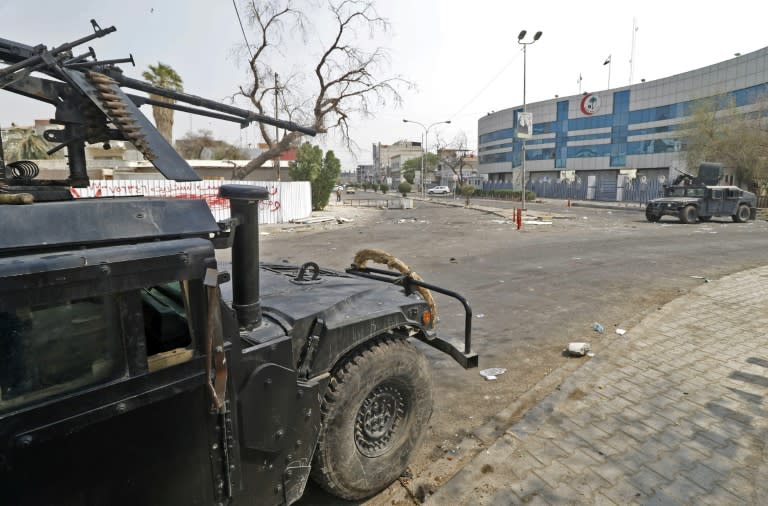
(662, 209)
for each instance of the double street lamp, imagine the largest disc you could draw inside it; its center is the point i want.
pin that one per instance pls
(525, 45)
(424, 146)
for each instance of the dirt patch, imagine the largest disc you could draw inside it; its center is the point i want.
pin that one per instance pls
(576, 395)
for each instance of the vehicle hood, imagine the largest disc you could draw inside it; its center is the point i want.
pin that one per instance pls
(339, 298)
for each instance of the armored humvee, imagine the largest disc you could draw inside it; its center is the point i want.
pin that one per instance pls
(134, 370)
(698, 198)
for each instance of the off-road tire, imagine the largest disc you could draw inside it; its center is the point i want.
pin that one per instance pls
(653, 218)
(374, 413)
(689, 214)
(742, 214)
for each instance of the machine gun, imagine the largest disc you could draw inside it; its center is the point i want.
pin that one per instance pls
(683, 177)
(709, 174)
(92, 107)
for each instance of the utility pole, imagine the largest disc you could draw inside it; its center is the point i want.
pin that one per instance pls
(525, 45)
(277, 159)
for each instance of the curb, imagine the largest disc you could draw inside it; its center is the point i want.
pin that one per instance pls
(607, 206)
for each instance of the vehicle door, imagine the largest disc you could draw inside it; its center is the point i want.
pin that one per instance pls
(714, 203)
(103, 390)
(731, 200)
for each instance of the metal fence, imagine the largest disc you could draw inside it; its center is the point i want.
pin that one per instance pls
(287, 200)
(632, 190)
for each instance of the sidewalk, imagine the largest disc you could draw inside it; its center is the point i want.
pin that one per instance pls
(673, 412)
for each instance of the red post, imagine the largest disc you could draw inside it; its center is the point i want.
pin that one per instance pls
(519, 218)
(569, 202)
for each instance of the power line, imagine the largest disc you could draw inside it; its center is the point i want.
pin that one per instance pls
(240, 21)
(487, 85)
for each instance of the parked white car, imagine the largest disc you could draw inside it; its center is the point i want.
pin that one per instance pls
(438, 190)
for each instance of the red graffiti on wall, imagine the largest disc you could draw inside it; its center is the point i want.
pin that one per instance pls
(202, 190)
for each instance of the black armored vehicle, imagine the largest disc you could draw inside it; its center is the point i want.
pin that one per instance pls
(126, 377)
(698, 198)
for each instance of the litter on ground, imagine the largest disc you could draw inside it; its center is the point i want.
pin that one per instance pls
(313, 219)
(492, 373)
(579, 349)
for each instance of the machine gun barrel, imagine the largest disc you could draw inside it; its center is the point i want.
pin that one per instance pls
(209, 104)
(100, 63)
(38, 58)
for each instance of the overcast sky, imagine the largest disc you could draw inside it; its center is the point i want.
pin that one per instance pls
(462, 56)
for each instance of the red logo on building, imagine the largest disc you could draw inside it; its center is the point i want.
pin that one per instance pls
(590, 104)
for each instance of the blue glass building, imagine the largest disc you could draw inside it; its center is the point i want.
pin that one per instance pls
(632, 131)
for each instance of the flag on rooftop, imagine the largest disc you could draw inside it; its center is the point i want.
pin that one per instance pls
(607, 60)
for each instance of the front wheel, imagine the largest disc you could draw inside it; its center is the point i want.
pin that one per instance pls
(653, 218)
(742, 214)
(689, 214)
(374, 413)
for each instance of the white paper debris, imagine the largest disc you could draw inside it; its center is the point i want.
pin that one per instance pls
(492, 373)
(579, 349)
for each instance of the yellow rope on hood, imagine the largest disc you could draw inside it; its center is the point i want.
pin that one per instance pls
(382, 257)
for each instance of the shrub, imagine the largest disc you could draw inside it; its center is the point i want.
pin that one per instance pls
(467, 190)
(384, 187)
(403, 188)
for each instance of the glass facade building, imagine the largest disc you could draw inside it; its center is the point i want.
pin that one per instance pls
(632, 129)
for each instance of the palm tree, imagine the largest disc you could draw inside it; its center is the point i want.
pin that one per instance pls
(163, 76)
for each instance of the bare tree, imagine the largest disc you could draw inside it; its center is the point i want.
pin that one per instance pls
(455, 155)
(344, 79)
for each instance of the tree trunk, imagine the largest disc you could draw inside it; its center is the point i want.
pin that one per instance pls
(163, 118)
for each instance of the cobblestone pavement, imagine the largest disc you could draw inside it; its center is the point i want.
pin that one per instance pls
(673, 412)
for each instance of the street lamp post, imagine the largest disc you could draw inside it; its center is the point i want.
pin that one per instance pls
(525, 45)
(424, 146)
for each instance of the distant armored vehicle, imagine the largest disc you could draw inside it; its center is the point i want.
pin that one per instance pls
(699, 198)
(134, 371)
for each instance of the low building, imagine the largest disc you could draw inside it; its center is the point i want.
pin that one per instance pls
(384, 153)
(120, 160)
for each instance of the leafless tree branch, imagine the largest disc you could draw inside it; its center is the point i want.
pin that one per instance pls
(346, 77)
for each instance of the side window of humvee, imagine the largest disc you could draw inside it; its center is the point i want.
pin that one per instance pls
(57, 348)
(52, 349)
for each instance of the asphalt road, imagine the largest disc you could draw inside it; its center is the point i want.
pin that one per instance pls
(532, 292)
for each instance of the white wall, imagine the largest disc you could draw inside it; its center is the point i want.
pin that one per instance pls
(287, 200)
